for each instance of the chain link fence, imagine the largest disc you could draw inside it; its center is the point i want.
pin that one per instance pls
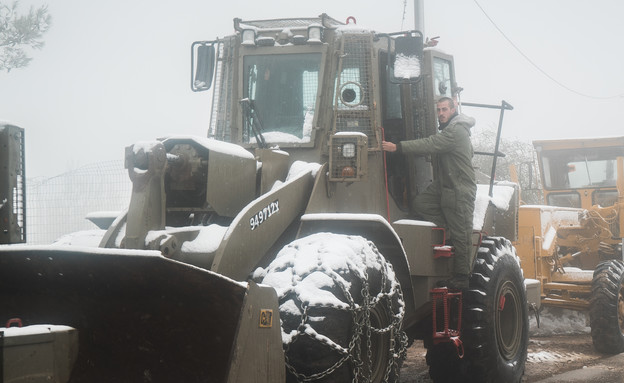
(57, 206)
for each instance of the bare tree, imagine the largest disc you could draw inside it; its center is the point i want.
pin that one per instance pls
(19, 33)
(519, 157)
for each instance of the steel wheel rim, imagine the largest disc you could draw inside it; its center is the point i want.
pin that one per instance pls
(379, 345)
(508, 327)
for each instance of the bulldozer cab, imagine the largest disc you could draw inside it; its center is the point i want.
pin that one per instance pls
(580, 173)
(326, 91)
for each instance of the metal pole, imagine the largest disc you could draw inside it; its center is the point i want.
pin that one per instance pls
(504, 105)
(419, 16)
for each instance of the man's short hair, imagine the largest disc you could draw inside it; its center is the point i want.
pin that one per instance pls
(450, 101)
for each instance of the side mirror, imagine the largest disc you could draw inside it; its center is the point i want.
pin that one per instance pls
(202, 65)
(407, 58)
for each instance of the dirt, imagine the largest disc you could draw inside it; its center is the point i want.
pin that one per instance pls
(551, 355)
(547, 356)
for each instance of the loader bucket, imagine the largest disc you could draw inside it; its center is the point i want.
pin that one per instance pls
(141, 317)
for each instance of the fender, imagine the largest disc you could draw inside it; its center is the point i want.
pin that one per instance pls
(372, 227)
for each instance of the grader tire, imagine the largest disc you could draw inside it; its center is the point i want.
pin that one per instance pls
(494, 323)
(341, 306)
(606, 307)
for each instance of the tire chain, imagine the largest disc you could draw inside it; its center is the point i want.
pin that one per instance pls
(398, 347)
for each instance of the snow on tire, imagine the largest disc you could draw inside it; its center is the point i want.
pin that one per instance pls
(341, 310)
(606, 307)
(494, 324)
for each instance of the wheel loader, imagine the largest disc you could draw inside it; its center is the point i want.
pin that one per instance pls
(573, 243)
(283, 247)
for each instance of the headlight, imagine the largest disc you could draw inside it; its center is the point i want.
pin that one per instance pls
(348, 172)
(249, 37)
(314, 34)
(348, 150)
(348, 156)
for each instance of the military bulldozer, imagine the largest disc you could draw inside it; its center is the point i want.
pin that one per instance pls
(573, 243)
(290, 193)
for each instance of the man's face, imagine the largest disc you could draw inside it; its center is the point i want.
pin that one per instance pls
(445, 111)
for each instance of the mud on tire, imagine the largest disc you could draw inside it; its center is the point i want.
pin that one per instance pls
(341, 310)
(494, 323)
(606, 307)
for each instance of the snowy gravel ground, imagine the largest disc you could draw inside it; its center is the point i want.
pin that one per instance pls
(561, 344)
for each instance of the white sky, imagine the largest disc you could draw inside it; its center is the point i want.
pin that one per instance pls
(116, 72)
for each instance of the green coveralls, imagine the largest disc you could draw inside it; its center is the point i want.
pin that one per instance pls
(449, 200)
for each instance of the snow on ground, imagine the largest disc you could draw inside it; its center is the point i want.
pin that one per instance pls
(558, 321)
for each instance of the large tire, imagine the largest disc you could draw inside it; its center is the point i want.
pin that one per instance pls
(494, 324)
(341, 310)
(606, 307)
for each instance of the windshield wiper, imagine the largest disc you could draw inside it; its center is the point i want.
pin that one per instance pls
(588, 172)
(253, 121)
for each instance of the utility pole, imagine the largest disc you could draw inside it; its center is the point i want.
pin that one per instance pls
(419, 16)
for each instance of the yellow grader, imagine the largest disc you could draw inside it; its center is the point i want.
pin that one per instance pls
(281, 247)
(573, 244)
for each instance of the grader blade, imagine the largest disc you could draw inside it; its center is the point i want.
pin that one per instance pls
(141, 317)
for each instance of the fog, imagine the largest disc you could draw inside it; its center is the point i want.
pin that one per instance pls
(116, 72)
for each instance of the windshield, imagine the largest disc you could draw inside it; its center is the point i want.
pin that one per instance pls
(281, 90)
(580, 168)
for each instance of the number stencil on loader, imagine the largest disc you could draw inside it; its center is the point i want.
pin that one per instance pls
(261, 216)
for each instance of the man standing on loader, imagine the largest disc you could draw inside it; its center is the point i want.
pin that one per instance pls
(449, 200)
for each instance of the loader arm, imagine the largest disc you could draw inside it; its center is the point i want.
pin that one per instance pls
(259, 225)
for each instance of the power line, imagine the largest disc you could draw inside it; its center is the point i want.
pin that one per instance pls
(537, 66)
